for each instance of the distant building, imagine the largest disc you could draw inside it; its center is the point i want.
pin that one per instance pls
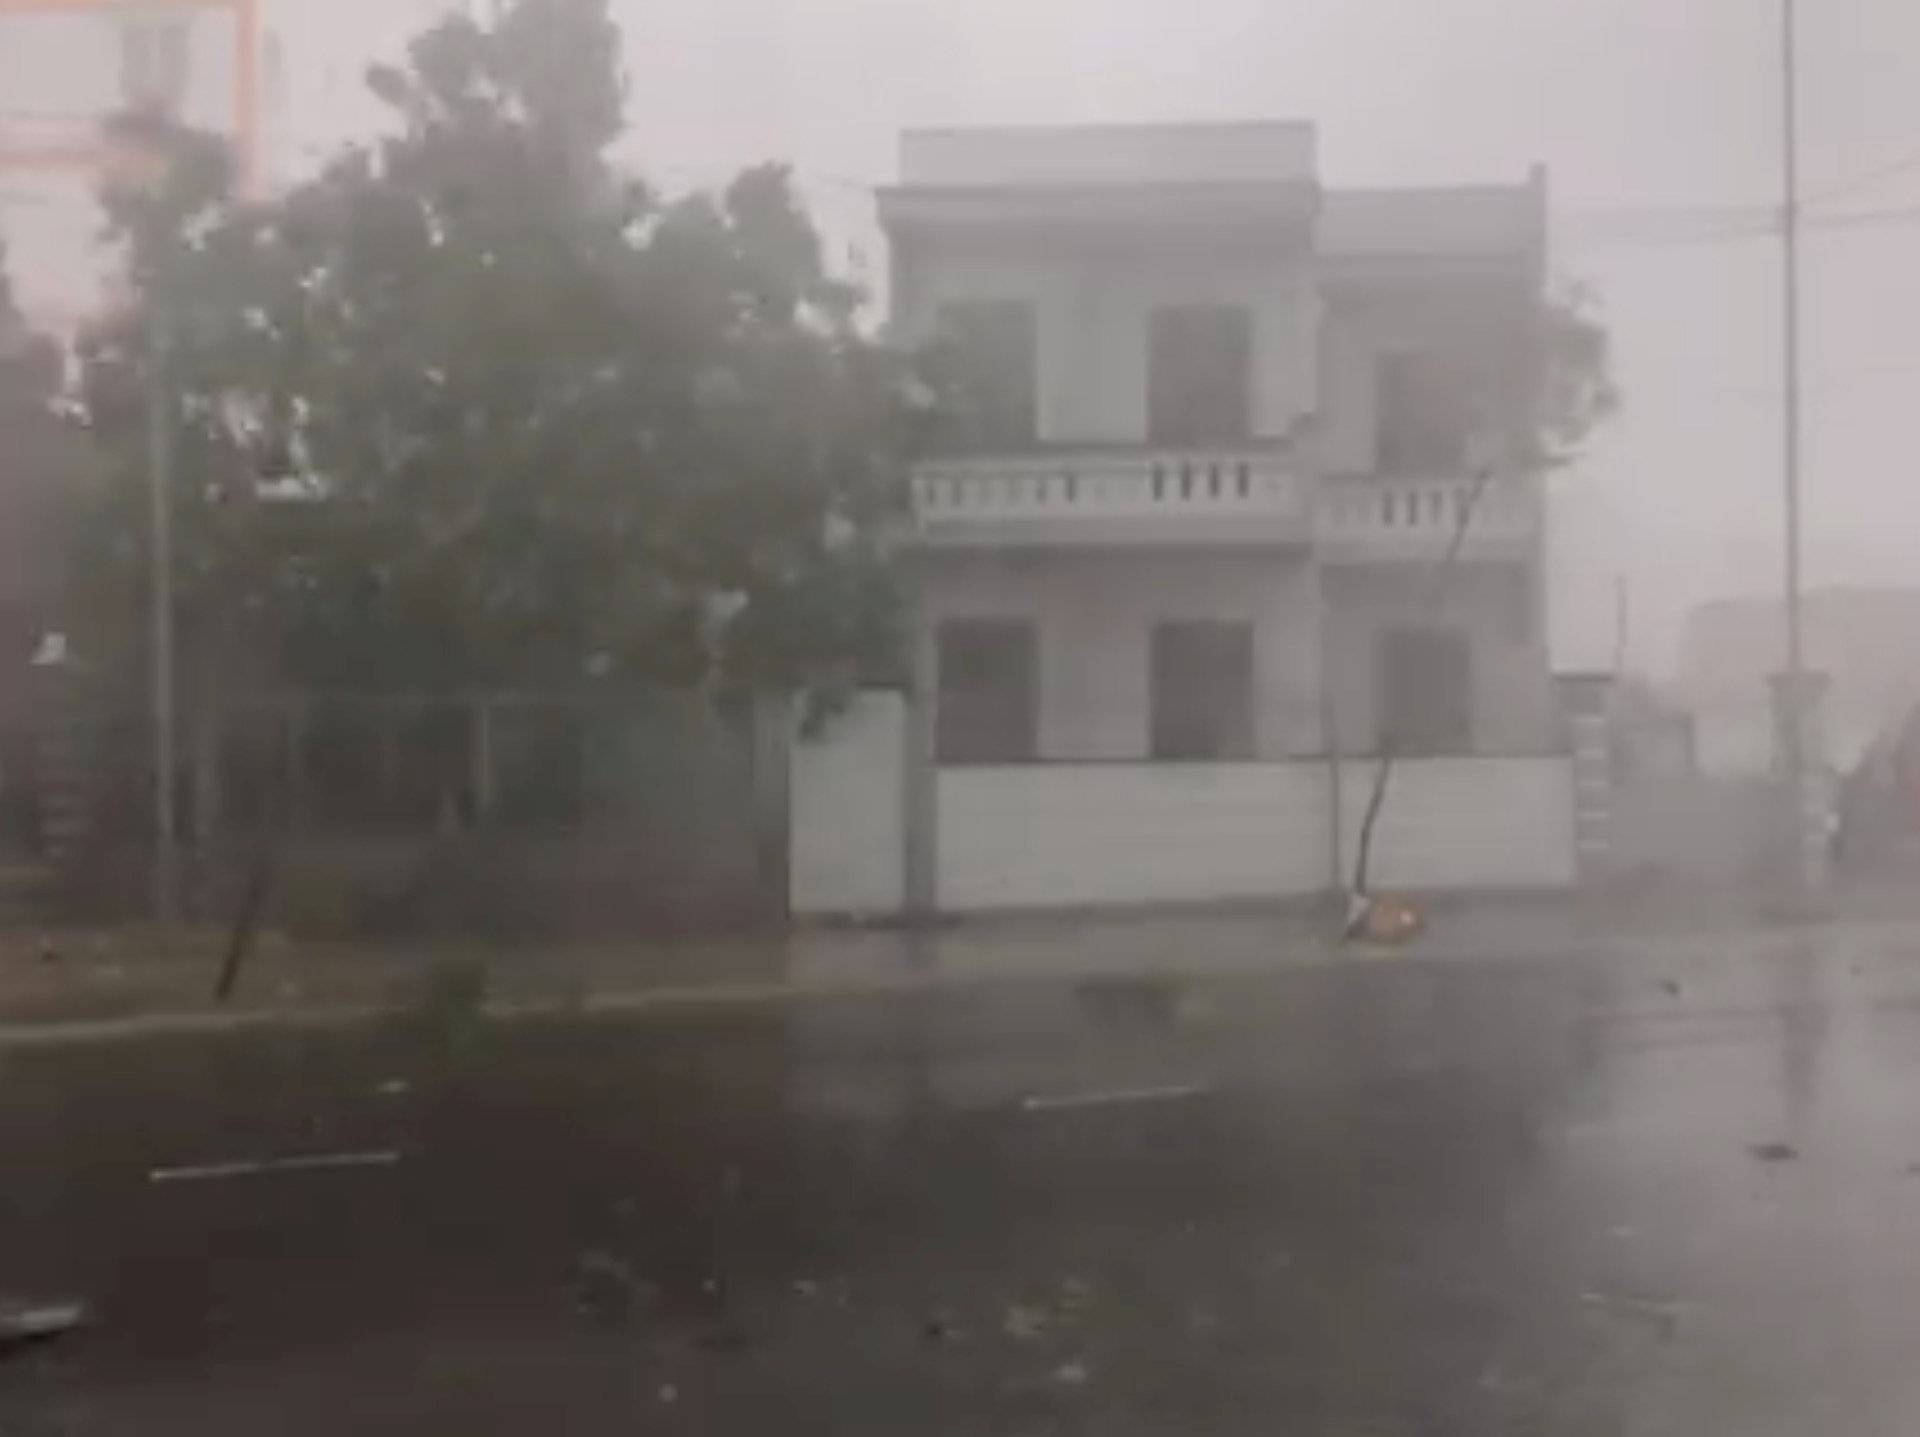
(65, 67)
(1866, 642)
(1221, 427)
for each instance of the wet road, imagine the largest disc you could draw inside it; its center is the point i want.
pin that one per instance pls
(1676, 1195)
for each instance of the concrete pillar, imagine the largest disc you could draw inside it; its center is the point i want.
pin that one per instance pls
(65, 758)
(1808, 814)
(1586, 700)
(920, 786)
(772, 724)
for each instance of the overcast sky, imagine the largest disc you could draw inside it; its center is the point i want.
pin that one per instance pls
(1648, 113)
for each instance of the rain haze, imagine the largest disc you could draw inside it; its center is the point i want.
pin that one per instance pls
(1659, 124)
(984, 716)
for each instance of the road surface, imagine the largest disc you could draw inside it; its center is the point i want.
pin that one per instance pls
(1381, 1197)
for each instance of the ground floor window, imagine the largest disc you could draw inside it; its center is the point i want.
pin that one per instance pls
(1202, 690)
(1425, 691)
(987, 707)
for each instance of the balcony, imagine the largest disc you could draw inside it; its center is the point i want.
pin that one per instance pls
(1389, 520)
(1217, 499)
(1146, 498)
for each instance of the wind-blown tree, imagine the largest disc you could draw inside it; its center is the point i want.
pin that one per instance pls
(1568, 383)
(543, 423)
(42, 458)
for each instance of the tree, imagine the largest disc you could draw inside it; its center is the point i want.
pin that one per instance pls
(548, 424)
(1571, 393)
(40, 459)
(1576, 390)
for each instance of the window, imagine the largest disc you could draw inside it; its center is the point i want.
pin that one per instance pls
(154, 62)
(1426, 691)
(1425, 419)
(989, 346)
(1202, 690)
(1199, 362)
(987, 712)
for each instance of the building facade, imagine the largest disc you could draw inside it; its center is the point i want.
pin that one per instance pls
(1230, 500)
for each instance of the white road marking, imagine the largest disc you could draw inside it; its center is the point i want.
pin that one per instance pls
(1111, 1097)
(249, 1167)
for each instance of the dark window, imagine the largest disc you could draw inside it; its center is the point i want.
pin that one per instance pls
(1199, 363)
(987, 710)
(1426, 691)
(987, 350)
(154, 61)
(1425, 419)
(1203, 690)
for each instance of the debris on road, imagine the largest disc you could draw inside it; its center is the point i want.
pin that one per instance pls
(395, 1088)
(1382, 919)
(1775, 1152)
(607, 1289)
(1071, 1374)
(940, 1328)
(1110, 1097)
(22, 1323)
(1670, 987)
(669, 1394)
(1024, 1322)
(1663, 1314)
(252, 1167)
(725, 1335)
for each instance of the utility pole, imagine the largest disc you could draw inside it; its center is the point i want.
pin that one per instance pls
(160, 515)
(1621, 619)
(1807, 849)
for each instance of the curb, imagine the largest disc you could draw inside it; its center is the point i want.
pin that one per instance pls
(1678, 947)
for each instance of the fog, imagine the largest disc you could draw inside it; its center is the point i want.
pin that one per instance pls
(1654, 118)
(1658, 122)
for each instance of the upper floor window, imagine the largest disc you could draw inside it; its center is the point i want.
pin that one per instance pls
(988, 708)
(154, 63)
(1199, 374)
(1202, 690)
(1425, 691)
(986, 349)
(1425, 414)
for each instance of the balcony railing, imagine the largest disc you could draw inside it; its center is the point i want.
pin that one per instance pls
(1092, 497)
(1418, 518)
(1216, 498)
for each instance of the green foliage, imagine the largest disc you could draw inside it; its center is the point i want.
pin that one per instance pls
(551, 424)
(1577, 391)
(41, 458)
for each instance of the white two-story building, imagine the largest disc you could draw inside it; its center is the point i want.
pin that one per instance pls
(1231, 502)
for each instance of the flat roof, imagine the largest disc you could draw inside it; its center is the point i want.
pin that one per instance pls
(1259, 151)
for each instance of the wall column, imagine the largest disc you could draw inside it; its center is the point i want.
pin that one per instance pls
(920, 789)
(1585, 699)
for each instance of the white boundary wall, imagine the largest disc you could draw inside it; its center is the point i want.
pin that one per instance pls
(1073, 835)
(1093, 834)
(847, 811)
(1465, 823)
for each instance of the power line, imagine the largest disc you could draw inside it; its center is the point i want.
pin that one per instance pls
(1867, 179)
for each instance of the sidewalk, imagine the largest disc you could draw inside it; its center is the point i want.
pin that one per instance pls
(98, 987)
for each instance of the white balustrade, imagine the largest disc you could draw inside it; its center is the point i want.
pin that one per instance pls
(1084, 486)
(1034, 496)
(1424, 514)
